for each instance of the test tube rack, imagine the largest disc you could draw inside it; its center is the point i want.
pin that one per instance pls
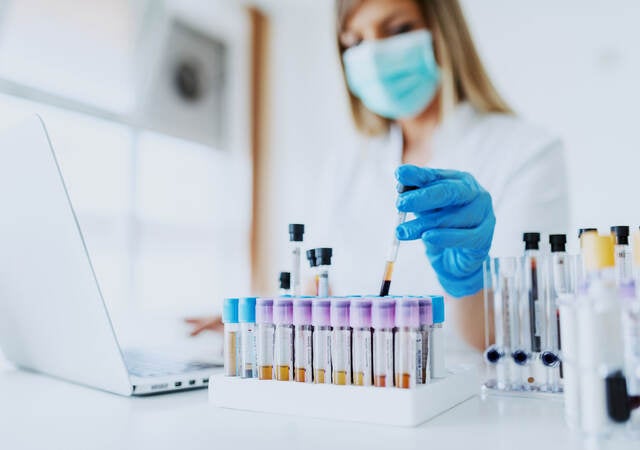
(384, 406)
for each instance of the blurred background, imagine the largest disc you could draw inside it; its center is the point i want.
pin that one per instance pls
(192, 132)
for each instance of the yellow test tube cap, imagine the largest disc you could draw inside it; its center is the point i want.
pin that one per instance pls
(636, 248)
(597, 250)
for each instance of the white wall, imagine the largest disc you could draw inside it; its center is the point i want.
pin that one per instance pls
(573, 66)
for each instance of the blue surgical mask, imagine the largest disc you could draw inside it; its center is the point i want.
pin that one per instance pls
(396, 77)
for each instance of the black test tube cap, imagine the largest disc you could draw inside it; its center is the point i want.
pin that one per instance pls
(323, 256)
(401, 188)
(311, 257)
(531, 241)
(296, 232)
(618, 404)
(285, 280)
(621, 232)
(581, 231)
(558, 242)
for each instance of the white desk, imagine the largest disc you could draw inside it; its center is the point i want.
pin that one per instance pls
(38, 412)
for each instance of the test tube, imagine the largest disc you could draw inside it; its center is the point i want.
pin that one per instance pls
(533, 290)
(340, 341)
(247, 318)
(599, 353)
(436, 350)
(383, 319)
(321, 319)
(285, 284)
(311, 257)
(426, 321)
(296, 236)
(283, 345)
(323, 262)
(631, 336)
(408, 344)
(505, 273)
(231, 337)
(265, 330)
(559, 285)
(623, 254)
(303, 340)
(360, 318)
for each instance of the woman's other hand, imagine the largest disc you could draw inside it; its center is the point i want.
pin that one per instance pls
(201, 324)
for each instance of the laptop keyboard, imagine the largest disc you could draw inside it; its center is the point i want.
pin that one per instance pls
(144, 364)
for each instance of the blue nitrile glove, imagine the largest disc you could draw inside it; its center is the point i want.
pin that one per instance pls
(454, 219)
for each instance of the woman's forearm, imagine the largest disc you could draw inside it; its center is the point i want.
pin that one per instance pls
(469, 318)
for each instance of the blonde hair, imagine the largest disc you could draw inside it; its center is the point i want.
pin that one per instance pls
(464, 77)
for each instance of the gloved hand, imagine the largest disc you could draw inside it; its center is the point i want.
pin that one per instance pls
(454, 219)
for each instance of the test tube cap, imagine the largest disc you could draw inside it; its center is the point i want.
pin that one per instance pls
(264, 310)
(311, 257)
(437, 302)
(426, 311)
(296, 232)
(283, 311)
(581, 231)
(531, 241)
(597, 251)
(558, 242)
(339, 312)
(230, 310)
(360, 313)
(621, 233)
(285, 280)
(247, 310)
(407, 313)
(383, 313)
(323, 256)
(302, 311)
(401, 188)
(321, 312)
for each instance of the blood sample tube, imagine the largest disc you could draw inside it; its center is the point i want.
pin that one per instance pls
(247, 318)
(283, 340)
(264, 338)
(321, 319)
(426, 321)
(296, 235)
(323, 261)
(436, 351)
(231, 337)
(340, 341)
(303, 340)
(383, 320)
(408, 343)
(360, 317)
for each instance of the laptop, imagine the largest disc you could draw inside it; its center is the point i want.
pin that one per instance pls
(53, 318)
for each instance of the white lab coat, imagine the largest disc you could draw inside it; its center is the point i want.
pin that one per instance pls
(521, 165)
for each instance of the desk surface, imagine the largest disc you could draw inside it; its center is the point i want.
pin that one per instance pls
(39, 412)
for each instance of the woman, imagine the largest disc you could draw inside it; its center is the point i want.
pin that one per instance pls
(421, 99)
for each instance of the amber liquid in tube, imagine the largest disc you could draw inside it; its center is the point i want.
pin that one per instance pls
(301, 375)
(231, 353)
(358, 379)
(403, 380)
(265, 372)
(340, 377)
(320, 376)
(380, 381)
(282, 373)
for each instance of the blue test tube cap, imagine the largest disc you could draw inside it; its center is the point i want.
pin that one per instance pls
(247, 310)
(437, 303)
(230, 310)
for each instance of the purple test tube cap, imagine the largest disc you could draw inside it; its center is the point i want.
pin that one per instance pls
(302, 311)
(264, 310)
(426, 311)
(321, 312)
(383, 313)
(340, 312)
(407, 313)
(360, 313)
(283, 311)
